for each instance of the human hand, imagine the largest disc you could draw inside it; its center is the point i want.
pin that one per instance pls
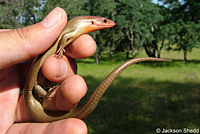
(23, 44)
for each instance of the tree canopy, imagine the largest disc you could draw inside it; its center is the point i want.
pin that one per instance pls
(140, 24)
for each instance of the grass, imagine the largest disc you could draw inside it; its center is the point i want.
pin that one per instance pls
(145, 96)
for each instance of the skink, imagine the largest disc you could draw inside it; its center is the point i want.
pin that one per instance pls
(73, 29)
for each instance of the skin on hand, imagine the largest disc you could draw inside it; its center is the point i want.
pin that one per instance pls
(23, 44)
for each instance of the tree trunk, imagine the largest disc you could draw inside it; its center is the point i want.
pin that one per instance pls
(185, 55)
(127, 51)
(159, 50)
(151, 49)
(97, 58)
(98, 55)
(158, 53)
(111, 49)
(110, 53)
(98, 51)
(133, 52)
(130, 36)
(132, 45)
(94, 35)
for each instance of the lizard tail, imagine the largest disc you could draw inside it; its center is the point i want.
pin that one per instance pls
(83, 111)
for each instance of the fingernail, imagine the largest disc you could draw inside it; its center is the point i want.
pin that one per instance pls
(62, 69)
(52, 18)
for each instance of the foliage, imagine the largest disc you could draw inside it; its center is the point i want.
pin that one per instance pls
(103, 38)
(9, 14)
(19, 13)
(184, 22)
(136, 20)
(73, 7)
(140, 24)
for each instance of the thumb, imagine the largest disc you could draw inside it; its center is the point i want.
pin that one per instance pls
(22, 44)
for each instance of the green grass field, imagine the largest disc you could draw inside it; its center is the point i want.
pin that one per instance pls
(145, 96)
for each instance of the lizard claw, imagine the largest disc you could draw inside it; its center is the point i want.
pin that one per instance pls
(60, 52)
(52, 91)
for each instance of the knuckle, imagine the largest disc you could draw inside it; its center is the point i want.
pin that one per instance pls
(23, 33)
(23, 37)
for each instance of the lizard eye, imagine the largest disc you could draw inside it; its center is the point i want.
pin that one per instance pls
(92, 22)
(105, 20)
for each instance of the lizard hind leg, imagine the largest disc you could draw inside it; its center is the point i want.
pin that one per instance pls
(60, 51)
(65, 41)
(40, 94)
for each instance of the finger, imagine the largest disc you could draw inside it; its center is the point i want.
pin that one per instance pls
(70, 93)
(57, 70)
(67, 126)
(5, 30)
(62, 99)
(24, 43)
(9, 95)
(21, 114)
(83, 47)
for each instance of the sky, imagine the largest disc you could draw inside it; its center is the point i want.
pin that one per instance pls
(155, 1)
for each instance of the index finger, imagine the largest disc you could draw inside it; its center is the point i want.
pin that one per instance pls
(83, 47)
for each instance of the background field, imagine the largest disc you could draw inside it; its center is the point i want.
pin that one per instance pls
(145, 96)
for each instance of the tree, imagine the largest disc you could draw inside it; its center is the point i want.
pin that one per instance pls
(164, 31)
(103, 38)
(137, 21)
(19, 13)
(72, 7)
(31, 11)
(10, 14)
(152, 18)
(128, 16)
(185, 20)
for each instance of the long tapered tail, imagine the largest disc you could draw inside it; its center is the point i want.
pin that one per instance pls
(94, 99)
(40, 115)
